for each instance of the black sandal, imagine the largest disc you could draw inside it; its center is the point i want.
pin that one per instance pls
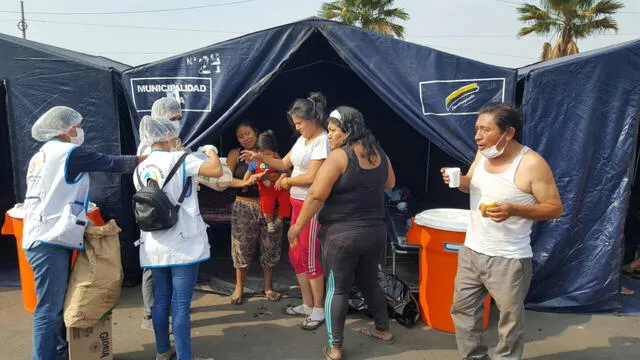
(309, 324)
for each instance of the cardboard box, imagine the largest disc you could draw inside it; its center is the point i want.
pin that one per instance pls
(94, 343)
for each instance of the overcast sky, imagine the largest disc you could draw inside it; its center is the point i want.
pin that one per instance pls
(479, 29)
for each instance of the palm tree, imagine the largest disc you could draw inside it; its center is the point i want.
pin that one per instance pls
(376, 15)
(568, 20)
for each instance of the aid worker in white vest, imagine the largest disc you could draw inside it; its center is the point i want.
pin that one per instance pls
(174, 254)
(56, 206)
(167, 107)
(510, 187)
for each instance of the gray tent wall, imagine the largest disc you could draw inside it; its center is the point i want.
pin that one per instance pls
(581, 114)
(38, 77)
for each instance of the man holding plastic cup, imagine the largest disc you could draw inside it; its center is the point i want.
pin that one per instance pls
(510, 187)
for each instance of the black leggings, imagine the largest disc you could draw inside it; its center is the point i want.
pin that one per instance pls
(352, 253)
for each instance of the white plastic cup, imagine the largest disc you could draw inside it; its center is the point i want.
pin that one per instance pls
(454, 177)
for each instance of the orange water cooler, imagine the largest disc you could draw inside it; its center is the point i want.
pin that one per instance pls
(13, 224)
(440, 233)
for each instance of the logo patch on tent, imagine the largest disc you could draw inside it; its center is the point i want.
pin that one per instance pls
(194, 93)
(459, 97)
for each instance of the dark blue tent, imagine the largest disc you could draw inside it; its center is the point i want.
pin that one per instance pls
(581, 113)
(35, 77)
(407, 92)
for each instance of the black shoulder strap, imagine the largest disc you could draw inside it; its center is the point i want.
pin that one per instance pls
(174, 169)
(185, 189)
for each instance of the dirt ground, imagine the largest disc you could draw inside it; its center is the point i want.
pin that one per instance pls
(258, 330)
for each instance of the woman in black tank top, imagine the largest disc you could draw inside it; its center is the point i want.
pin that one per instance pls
(248, 225)
(349, 188)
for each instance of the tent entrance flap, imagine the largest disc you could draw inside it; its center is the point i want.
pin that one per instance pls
(7, 197)
(8, 253)
(317, 67)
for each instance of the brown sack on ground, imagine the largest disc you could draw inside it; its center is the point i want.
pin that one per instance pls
(96, 278)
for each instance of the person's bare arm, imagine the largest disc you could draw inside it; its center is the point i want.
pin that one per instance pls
(307, 178)
(211, 168)
(278, 164)
(543, 188)
(327, 177)
(232, 162)
(391, 176)
(465, 180)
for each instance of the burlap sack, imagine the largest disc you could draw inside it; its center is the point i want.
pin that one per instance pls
(96, 278)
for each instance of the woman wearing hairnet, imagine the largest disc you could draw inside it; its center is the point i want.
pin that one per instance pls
(174, 254)
(56, 206)
(167, 107)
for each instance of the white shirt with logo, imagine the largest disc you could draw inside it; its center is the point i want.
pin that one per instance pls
(55, 210)
(185, 243)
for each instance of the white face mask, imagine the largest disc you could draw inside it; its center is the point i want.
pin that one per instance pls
(492, 152)
(177, 146)
(79, 138)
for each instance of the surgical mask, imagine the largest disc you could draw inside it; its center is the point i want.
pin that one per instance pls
(492, 152)
(177, 146)
(79, 138)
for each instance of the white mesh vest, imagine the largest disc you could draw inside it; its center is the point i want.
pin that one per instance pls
(509, 238)
(55, 210)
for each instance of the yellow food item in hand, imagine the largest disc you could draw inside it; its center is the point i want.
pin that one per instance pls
(484, 207)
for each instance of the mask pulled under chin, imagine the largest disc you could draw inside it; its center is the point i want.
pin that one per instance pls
(492, 151)
(177, 147)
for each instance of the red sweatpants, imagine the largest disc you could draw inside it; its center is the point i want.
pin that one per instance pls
(305, 257)
(268, 199)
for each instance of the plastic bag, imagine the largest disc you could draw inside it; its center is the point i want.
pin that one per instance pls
(401, 303)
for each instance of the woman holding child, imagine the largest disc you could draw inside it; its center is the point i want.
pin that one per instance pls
(248, 223)
(306, 157)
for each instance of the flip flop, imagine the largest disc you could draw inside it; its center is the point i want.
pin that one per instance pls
(326, 349)
(369, 333)
(627, 292)
(309, 324)
(273, 296)
(291, 311)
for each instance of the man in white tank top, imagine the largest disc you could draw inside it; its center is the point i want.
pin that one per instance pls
(510, 187)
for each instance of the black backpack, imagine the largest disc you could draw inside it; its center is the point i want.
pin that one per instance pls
(151, 205)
